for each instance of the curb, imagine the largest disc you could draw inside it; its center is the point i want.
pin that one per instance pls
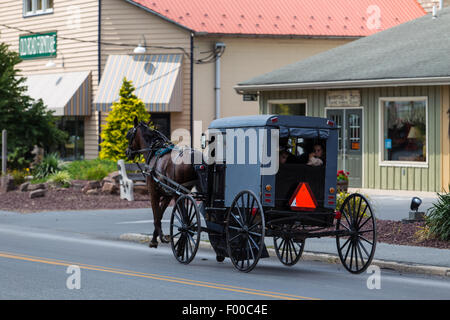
(327, 258)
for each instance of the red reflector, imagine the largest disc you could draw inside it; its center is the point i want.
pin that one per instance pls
(330, 123)
(254, 210)
(274, 120)
(268, 195)
(330, 197)
(267, 200)
(303, 198)
(330, 202)
(338, 215)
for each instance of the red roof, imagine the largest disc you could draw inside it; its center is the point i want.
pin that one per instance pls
(328, 18)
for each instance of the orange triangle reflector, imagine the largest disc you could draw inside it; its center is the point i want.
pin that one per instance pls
(303, 198)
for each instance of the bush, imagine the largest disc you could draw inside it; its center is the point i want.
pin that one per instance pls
(60, 179)
(438, 217)
(48, 166)
(19, 176)
(121, 119)
(18, 159)
(95, 169)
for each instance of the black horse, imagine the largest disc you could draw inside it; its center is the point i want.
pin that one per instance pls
(157, 151)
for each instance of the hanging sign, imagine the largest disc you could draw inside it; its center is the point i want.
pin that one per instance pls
(344, 98)
(37, 45)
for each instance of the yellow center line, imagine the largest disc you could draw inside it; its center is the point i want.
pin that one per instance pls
(155, 277)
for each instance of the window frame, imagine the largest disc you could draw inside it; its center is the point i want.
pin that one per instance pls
(394, 163)
(270, 104)
(34, 12)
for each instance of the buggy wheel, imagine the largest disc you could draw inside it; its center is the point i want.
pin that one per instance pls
(356, 247)
(245, 230)
(185, 229)
(288, 249)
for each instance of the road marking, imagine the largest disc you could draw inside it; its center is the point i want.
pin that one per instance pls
(191, 282)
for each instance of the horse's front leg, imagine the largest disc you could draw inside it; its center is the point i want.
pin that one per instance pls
(154, 201)
(162, 208)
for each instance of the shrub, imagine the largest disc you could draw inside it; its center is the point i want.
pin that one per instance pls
(48, 166)
(119, 121)
(18, 159)
(95, 169)
(60, 179)
(438, 217)
(19, 176)
(96, 173)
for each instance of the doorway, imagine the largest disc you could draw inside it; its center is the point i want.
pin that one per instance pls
(349, 122)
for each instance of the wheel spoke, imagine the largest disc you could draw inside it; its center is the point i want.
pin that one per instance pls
(236, 236)
(348, 240)
(251, 250)
(364, 249)
(237, 220)
(255, 234)
(254, 243)
(368, 219)
(360, 255)
(365, 240)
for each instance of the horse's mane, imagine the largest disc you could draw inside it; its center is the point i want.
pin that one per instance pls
(153, 136)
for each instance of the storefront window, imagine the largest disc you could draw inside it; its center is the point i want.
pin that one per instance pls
(287, 107)
(161, 121)
(404, 129)
(73, 148)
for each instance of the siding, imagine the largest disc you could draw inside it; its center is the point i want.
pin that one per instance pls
(77, 56)
(445, 116)
(127, 24)
(374, 175)
(243, 59)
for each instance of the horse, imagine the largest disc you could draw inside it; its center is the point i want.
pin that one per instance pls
(150, 142)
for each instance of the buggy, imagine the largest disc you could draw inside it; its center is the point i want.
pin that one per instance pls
(245, 196)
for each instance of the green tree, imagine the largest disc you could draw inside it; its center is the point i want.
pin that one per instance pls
(28, 122)
(119, 121)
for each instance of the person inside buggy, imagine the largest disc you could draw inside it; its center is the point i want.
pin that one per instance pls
(301, 151)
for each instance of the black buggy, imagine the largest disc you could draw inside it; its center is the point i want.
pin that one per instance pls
(245, 196)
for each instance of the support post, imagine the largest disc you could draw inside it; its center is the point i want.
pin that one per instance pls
(4, 151)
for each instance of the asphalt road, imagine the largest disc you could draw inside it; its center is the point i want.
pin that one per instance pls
(36, 251)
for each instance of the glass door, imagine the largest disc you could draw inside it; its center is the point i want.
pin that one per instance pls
(349, 123)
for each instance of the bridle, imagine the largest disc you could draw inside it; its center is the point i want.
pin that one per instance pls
(131, 135)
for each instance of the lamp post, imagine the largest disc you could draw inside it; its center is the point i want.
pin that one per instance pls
(4, 152)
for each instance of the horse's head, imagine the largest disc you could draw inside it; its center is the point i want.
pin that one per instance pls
(141, 137)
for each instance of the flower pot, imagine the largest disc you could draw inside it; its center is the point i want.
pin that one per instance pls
(342, 186)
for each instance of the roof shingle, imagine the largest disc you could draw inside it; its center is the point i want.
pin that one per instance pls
(417, 49)
(309, 18)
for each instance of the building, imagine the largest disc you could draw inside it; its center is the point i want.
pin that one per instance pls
(428, 4)
(390, 95)
(190, 55)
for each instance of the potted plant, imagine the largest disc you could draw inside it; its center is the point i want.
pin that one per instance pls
(342, 181)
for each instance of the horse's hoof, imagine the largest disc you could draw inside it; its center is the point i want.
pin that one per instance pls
(220, 258)
(165, 239)
(153, 244)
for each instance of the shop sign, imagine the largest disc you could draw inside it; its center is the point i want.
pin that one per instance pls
(37, 45)
(250, 97)
(344, 98)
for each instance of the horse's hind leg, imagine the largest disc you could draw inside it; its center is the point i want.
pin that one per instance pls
(163, 206)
